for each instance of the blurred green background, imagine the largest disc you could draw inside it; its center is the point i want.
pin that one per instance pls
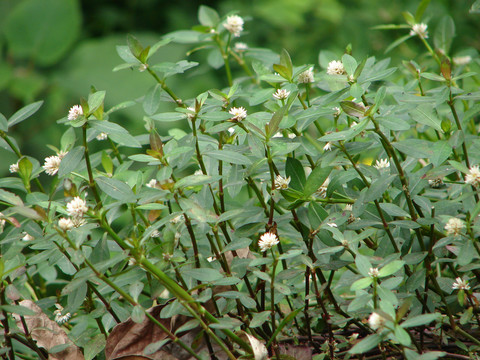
(54, 50)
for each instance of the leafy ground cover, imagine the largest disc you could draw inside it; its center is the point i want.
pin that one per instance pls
(302, 211)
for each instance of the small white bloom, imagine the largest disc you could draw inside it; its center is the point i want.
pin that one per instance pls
(454, 226)
(238, 113)
(2, 222)
(177, 236)
(52, 164)
(376, 321)
(382, 164)
(436, 183)
(211, 258)
(328, 146)
(281, 94)
(234, 24)
(240, 47)
(155, 234)
(292, 136)
(333, 225)
(65, 224)
(345, 243)
(281, 182)
(373, 272)
(191, 115)
(152, 183)
(322, 190)
(337, 111)
(74, 112)
(420, 30)
(101, 136)
(348, 207)
(267, 241)
(59, 318)
(335, 68)
(460, 284)
(167, 256)
(27, 236)
(142, 67)
(306, 76)
(231, 131)
(14, 168)
(462, 60)
(77, 207)
(176, 219)
(198, 172)
(473, 176)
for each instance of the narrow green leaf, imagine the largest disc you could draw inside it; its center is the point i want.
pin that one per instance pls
(363, 265)
(352, 108)
(287, 320)
(366, 344)
(24, 113)
(3, 123)
(208, 16)
(10, 198)
(71, 161)
(402, 336)
(444, 34)
(203, 274)
(229, 156)
(286, 61)
(116, 189)
(316, 215)
(420, 320)
(18, 309)
(275, 121)
(420, 10)
(134, 45)
(361, 284)
(349, 63)
(316, 179)
(295, 171)
(391, 268)
(378, 187)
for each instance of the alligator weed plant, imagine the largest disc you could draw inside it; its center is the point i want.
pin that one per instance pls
(303, 211)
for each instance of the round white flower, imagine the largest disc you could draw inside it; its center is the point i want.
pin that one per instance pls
(198, 172)
(376, 321)
(14, 168)
(420, 30)
(454, 226)
(460, 284)
(473, 176)
(27, 236)
(152, 183)
(281, 182)
(337, 111)
(65, 224)
(77, 207)
(240, 47)
(281, 94)
(382, 164)
(335, 68)
(322, 190)
(52, 164)
(74, 112)
(462, 60)
(238, 113)
(267, 241)
(2, 222)
(59, 318)
(101, 136)
(348, 207)
(234, 24)
(191, 114)
(373, 272)
(306, 76)
(333, 225)
(328, 146)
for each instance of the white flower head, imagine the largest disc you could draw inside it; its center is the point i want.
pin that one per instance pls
(420, 30)
(77, 207)
(27, 236)
(192, 113)
(376, 321)
(101, 136)
(292, 136)
(436, 183)
(473, 176)
(306, 76)
(322, 190)
(328, 146)
(59, 318)
(234, 24)
(462, 60)
(198, 172)
(267, 241)
(155, 234)
(177, 236)
(240, 47)
(65, 224)
(75, 112)
(52, 164)
(337, 112)
(231, 131)
(333, 225)
(238, 113)
(152, 183)
(460, 284)
(14, 168)
(382, 164)
(348, 207)
(335, 68)
(454, 226)
(143, 67)
(211, 258)
(176, 219)
(281, 182)
(2, 222)
(281, 94)
(373, 272)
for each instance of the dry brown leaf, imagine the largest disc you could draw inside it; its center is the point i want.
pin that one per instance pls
(298, 352)
(47, 333)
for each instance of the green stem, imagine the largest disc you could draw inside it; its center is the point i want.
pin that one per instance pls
(91, 181)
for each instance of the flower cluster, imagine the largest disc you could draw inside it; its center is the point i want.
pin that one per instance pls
(281, 182)
(240, 47)
(382, 164)
(420, 30)
(281, 94)
(306, 76)
(473, 176)
(322, 190)
(267, 241)
(376, 321)
(454, 226)
(77, 207)
(14, 168)
(234, 24)
(75, 112)
(101, 136)
(335, 68)
(59, 318)
(238, 113)
(460, 284)
(373, 272)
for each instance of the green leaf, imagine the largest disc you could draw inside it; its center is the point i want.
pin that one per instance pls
(275, 121)
(397, 42)
(420, 10)
(10, 198)
(316, 215)
(42, 31)
(194, 180)
(402, 336)
(71, 161)
(170, 116)
(94, 346)
(208, 16)
(18, 309)
(96, 100)
(349, 63)
(229, 156)
(259, 318)
(138, 315)
(3, 123)
(151, 101)
(116, 132)
(294, 170)
(134, 45)
(363, 265)
(316, 179)
(286, 321)
(24, 113)
(424, 114)
(444, 34)
(116, 189)
(420, 320)
(203, 274)
(431, 355)
(378, 187)
(391, 268)
(366, 344)
(352, 108)
(25, 168)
